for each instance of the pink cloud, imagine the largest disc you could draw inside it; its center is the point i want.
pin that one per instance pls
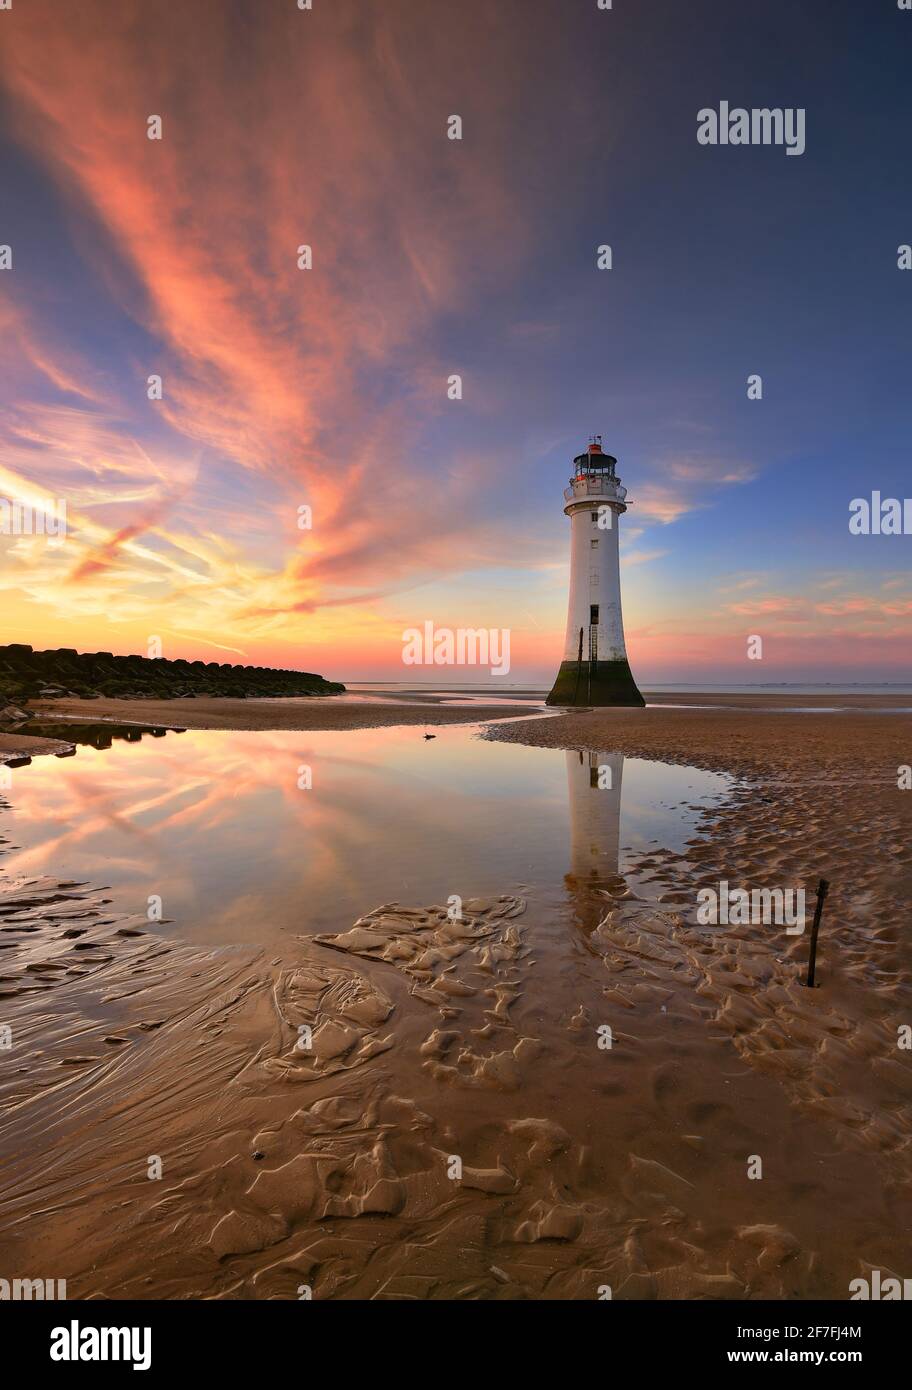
(262, 362)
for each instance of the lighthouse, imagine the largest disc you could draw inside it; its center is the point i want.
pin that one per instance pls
(595, 669)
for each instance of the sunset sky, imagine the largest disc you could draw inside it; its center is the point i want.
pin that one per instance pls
(328, 387)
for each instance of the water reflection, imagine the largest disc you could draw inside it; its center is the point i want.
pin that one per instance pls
(594, 782)
(100, 735)
(217, 824)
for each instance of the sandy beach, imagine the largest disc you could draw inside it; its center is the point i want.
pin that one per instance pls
(742, 733)
(15, 746)
(325, 712)
(221, 713)
(168, 1136)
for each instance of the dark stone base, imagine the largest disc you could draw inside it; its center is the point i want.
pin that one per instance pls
(610, 683)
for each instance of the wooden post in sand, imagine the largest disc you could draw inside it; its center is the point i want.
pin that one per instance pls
(823, 888)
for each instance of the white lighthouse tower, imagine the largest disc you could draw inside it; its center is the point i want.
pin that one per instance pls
(595, 669)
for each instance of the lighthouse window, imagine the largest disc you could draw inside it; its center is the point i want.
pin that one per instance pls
(593, 614)
(593, 544)
(594, 516)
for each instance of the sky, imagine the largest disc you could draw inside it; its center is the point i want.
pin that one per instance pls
(327, 388)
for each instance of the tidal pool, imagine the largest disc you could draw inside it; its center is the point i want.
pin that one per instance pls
(249, 836)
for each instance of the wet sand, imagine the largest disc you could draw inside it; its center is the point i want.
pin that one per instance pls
(322, 712)
(25, 745)
(777, 701)
(416, 1107)
(741, 738)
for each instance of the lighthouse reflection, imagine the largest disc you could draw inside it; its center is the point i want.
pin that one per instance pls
(594, 789)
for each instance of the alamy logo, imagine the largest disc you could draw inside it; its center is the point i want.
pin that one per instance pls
(23, 519)
(461, 646)
(75, 1343)
(881, 516)
(24, 1290)
(878, 1288)
(761, 125)
(782, 907)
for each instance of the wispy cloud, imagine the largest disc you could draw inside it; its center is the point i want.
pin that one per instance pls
(685, 484)
(315, 382)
